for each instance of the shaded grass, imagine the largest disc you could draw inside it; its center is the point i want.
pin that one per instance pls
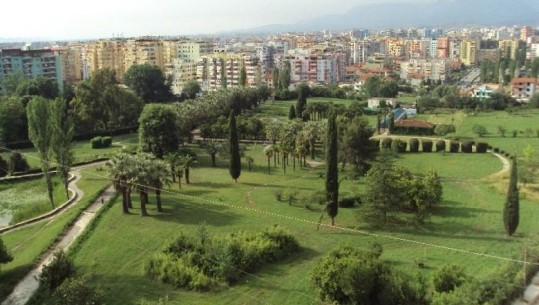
(470, 219)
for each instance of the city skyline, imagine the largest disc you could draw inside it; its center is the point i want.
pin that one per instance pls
(56, 20)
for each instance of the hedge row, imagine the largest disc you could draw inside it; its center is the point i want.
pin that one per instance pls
(101, 142)
(426, 145)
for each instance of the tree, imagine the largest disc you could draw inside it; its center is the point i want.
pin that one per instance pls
(77, 291)
(141, 178)
(213, 148)
(5, 257)
(191, 89)
(158, 130)
(479, 130)
(511, 208)
(243, 77)
(372, 86)
(268, 151)
(534, 100)
(39, 132)
(13, 122)
(159, 174)
(502, 130)
(291, 113)
(62, 129)
(234, 145)
(301, 104)
(356, 143)
(148, 82)
(57, 271)
(284, 76)
(389, 89)
(332, 172)
(120, 170)
(448, 278)
(526, 170)
(223, 73)
(276, 78)
(41, 86)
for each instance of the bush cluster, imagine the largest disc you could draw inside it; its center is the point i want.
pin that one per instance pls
(386, 143)
(101, 142)
(349, 201)
(440, 145)
(398, 146)
(195, 261)
(454, 146)
(481, 147)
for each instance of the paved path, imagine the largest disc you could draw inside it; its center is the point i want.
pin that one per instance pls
(28, 286)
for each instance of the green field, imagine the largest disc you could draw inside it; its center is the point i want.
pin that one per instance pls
(469, 219)
(466, 229)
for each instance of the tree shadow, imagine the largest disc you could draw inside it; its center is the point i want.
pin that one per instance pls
(10, 278)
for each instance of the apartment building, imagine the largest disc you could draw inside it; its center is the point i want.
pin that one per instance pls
(31, 64)
(359, 51)
(212, 70)
(416, 70)
(443, 47)
(508, 48)
(468, 52)
(71, 63)
(315, 68)
(526, 32)
(104, 54)
(524, 88)
(144, 51)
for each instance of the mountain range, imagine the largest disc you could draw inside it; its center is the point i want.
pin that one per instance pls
(403, 15)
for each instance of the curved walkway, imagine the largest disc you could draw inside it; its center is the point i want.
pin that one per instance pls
(29, 285)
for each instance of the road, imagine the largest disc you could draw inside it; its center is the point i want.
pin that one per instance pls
(468, 80)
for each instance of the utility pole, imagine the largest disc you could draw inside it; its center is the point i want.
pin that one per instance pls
(524, 266)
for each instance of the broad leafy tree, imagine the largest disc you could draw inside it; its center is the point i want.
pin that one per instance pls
(62, 129)
(372, 86)
(5, 257)
(39, 132)
(149, 83)
(511, 209)
(158, 131)
(191, 89)
(13, 122)
(357, 146)
(332, 171)
(234, 145)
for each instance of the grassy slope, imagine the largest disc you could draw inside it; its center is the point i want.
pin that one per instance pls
(26, 244)
(469, 219)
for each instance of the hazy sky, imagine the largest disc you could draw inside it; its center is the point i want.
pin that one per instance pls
(68, 19)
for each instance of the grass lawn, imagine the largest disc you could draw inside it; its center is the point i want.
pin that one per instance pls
(82, 150)
(28, 243)
(469, 219)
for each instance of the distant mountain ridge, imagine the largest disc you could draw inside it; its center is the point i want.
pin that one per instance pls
(402, 15)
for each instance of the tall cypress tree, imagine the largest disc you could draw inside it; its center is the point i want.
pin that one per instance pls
(235, 157)
(511, 208)
(301, 104)
(332, 173)
(243, 77)
(292, 112)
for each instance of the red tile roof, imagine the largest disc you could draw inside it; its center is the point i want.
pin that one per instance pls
(414, 123)
(524, 80)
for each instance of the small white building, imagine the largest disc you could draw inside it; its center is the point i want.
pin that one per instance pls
(375, 102)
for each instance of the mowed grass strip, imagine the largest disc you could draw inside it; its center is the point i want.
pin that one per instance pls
(469, 219)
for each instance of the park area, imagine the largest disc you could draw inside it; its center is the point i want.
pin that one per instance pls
(465, 229)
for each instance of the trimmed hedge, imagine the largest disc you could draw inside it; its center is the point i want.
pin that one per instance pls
(496, 150)
(349, 201)
(398, 146)
(386, 143)
(426, 146)
(454, 146)
(414, 145)
(440, 145)
(467, 147)
(481, 147)
(101, 142)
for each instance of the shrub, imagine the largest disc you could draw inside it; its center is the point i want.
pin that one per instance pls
(448, 278)
(278, 194)
(194, 261)
(466, 146)
(18, 163)
(482, 147)
(398, 146)
(496, 150)
(77, 291)
(454, 146)
(440, 145)
(444, 129)
(414, 144)
(54, 274)
(349, 201)
(3, 167)
(515, 133)
(96, 142)
(106, 142)
(386, 143)
(426, 146)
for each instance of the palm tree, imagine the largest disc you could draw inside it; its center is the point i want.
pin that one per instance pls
(120, 167)
(141, 178)
(250, 161)
(213, 149)
(268, 151)
(173, 160)
(187, 162)
(159, 174)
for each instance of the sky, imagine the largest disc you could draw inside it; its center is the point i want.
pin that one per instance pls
(72, 19)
